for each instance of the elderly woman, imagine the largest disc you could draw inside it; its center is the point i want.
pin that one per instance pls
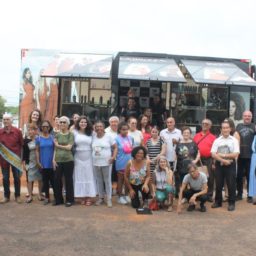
(163, 183)
(137, 176)
(63, 163)
(187, 152)
(104, 152)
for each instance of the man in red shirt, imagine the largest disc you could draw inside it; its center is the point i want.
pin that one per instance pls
(204, 141)
(11, 138)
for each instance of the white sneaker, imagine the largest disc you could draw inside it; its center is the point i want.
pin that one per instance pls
(109, 203)
(184, 200)
(121, 200)
(127, 199)
(99, 202)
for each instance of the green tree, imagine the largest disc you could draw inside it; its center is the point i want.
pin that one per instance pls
(14, 110)
(2, 106)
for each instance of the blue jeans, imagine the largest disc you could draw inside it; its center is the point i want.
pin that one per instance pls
(6, 181)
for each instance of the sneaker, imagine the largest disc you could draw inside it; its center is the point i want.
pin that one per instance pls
(127, 199)
(231, 207)
(99, 202)
(121, 200)
(170, 209)
(18, 200)
(249, 200)
(68, 204)
(184, 200)
(109, 203)
(202, 208)
(5, 200)
(191, 208)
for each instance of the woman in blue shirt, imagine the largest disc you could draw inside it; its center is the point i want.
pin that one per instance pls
(44, 153)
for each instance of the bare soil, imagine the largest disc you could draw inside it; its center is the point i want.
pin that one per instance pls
(35, 229)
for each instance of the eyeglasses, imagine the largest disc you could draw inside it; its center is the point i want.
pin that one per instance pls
(63, 122)
(206, 123)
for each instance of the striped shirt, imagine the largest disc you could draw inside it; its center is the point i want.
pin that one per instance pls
(154, 149)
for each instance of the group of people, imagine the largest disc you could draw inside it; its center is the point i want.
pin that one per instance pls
(144, 166)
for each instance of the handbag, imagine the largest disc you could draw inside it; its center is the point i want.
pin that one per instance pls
(153, 205)
(203, 168)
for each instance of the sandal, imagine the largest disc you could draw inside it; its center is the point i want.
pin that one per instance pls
(83, 202)
(88, 203)
(29, 200)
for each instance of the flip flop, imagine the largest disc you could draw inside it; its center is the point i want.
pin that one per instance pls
(83, 202)
(88, 203)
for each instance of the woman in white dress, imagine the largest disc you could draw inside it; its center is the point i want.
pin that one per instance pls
(84, 182)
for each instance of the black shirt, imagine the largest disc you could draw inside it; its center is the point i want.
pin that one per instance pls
(246, 132)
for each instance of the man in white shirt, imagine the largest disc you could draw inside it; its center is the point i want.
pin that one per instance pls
(225, 151)
(171, 136)
(112, 131)
(113, 125)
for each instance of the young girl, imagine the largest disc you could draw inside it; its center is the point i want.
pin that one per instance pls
(30, 162)
(163, 183)
(124, 144)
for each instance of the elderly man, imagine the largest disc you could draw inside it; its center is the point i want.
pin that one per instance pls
(204, 141)
(112, 131)
(225, 151)
(194, 188)
(10, 156)
(113, 125)
(171, 137)
(246, 131)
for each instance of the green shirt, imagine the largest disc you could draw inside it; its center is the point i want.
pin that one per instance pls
(63, 155)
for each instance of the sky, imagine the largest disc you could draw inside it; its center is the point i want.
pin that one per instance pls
(220, 28)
